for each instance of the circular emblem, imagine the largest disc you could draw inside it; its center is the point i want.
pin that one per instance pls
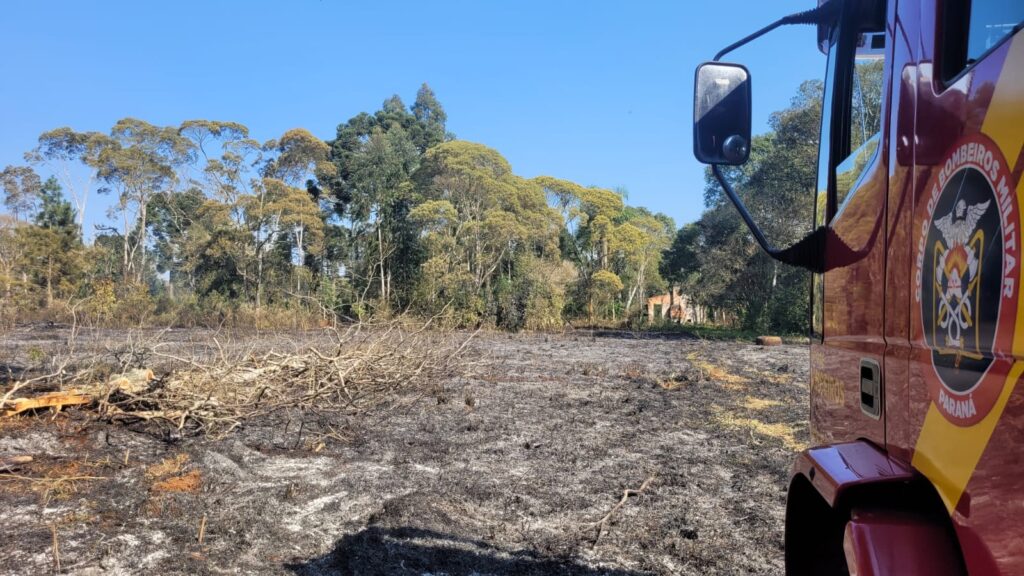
(966, 278)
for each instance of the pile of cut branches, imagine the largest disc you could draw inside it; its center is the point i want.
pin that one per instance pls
(360, 368)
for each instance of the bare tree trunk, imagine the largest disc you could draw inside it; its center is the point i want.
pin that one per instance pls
(49, 282)
(142, 241)
(259, 278)
(299, 232)
(380, 254)
(126, 269)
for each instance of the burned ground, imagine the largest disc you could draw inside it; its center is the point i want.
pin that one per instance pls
(517, 465)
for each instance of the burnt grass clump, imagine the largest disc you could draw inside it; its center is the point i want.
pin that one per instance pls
(574, 454)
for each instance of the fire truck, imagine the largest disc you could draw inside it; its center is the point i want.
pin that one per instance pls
(917, 308)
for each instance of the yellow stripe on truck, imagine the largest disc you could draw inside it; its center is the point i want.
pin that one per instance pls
(945, 453)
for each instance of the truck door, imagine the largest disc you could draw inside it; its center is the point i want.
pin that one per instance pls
(965, 410)
(847, 354)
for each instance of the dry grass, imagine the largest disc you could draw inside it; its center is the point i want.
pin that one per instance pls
(58, 480)
(778, 431)
(167, 466)
(716, 373)
(753, 403)
(773, 377)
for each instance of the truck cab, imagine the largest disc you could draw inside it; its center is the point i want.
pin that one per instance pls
(917, 323)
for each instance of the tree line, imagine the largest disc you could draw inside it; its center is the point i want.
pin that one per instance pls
(395, 215)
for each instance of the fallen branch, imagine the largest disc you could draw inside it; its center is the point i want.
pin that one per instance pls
(56, 548)
(12, 463)
(55, 400)
(363, 368)
(54, 480)
(602, 524)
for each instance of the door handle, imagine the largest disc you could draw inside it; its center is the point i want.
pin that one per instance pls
(870, 388)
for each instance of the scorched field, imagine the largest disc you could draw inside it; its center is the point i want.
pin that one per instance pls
(395, 451)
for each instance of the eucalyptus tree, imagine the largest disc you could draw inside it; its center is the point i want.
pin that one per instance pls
(136, 162)
(227, 171)
(380, 173)
(590, 215)
(22, 187)
(297, 158)
(477, 221)
(638, 243)
(72, 157)
(373, 191)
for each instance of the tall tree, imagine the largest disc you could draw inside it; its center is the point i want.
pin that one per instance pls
(138, 161)
(64, 151)
(21, 186)
(478, 221)
(431, 119)
(53, 246)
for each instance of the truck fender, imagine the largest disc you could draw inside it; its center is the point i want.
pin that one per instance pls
(883, 542)
(834, 470)
(853, 509)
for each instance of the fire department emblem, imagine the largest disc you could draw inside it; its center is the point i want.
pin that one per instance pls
(957, 279)
(966, 279)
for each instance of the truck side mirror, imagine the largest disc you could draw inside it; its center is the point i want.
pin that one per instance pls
(721, 114)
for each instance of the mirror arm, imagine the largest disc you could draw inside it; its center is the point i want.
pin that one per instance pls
(744, 213)
(820, 15)
(748, 39)
(808, 253)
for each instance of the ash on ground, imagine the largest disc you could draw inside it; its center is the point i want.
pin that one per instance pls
(531, 461)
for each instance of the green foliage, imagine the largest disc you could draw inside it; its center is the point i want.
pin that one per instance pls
(21, 186)
(393, 215)
(717, 262)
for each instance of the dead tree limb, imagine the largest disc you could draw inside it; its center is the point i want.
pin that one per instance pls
(602, 524)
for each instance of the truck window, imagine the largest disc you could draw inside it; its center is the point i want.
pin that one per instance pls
(865, 106)
(972, 28)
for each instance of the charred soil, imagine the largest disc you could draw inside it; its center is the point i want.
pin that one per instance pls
(575, 454)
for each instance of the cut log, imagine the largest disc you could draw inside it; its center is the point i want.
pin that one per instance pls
(52, 400)
(769, 341)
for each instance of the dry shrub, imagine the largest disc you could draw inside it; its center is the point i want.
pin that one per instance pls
(363, 367)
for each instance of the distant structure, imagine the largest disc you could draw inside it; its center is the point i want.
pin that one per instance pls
(675, 306)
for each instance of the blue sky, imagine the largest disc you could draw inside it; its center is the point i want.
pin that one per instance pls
(595, 92)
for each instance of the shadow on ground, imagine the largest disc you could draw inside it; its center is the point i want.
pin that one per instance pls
(378, 551)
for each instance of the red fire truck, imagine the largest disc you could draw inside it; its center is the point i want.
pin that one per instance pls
(917, 323)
